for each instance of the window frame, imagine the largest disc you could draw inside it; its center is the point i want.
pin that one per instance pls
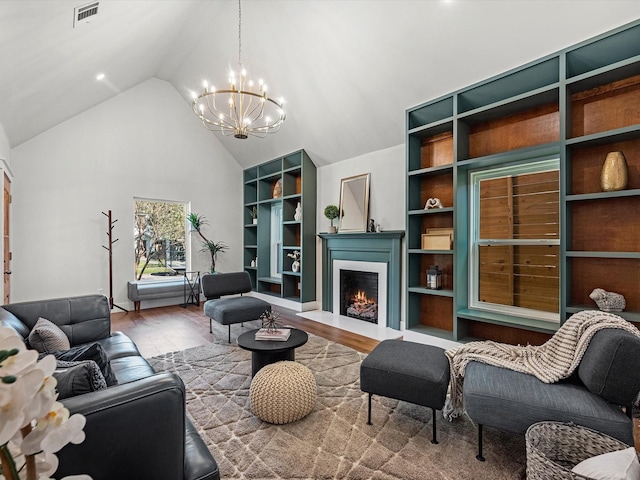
(187, 240)
(532, 165)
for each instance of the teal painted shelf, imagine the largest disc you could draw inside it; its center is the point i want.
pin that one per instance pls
(603, 195)
(431, 291)
(468, 130)
(298, 177)
(583, 254)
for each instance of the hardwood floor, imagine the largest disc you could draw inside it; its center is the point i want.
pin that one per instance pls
(168, 329)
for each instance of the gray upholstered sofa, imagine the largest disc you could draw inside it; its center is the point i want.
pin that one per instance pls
(136, 429)
(607, 379)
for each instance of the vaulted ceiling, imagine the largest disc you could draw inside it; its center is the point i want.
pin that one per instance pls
(347, 69)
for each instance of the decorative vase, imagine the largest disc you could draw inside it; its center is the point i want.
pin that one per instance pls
(298, 215)
(333, 229)
(614, 172)
(255, 221)
(295, 266)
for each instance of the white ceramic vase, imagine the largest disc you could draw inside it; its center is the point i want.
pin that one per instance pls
(297, 216)
(295, 266)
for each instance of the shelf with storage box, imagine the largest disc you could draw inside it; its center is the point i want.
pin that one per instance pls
(576, 105)
(279, 190)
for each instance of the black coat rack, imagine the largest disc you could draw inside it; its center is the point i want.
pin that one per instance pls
(111, 241)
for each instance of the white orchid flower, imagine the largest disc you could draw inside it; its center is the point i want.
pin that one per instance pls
(54, 431)
(28, 404)
(46, 395)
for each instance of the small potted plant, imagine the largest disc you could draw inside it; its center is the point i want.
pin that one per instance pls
(295, 266)
(331, 212)
(254, 215)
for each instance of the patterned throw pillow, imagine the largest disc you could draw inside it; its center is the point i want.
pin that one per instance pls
(47, 337)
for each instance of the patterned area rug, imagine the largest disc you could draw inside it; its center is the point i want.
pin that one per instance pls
(333, 441)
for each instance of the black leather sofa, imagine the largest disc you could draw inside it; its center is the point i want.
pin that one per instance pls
(136, 429)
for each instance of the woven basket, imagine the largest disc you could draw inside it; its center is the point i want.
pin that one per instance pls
(554, 448)
(283, 392)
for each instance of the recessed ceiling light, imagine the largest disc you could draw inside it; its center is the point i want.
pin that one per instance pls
(100, 76)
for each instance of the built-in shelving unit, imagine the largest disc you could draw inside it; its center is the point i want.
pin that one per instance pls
(577, 105)
(279, 186)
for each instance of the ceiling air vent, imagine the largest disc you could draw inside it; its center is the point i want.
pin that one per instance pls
(85, 14)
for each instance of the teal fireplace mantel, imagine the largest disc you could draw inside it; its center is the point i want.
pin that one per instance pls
(382, 247)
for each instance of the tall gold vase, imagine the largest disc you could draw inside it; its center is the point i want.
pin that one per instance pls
(614, 172)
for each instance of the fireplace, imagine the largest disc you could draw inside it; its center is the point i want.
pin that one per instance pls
(360, 291)
(379, 256)
(359, 295)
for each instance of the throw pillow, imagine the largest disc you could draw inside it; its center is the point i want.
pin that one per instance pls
(620, 465)
(91, 351)
(77, 378)
(47, 337)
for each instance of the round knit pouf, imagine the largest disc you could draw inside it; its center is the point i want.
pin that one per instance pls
(283, 392)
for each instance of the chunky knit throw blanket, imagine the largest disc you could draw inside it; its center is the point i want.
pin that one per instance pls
(554, 360)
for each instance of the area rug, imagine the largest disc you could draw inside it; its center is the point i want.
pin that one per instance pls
(334, 440)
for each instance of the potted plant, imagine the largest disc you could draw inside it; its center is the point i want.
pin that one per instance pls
(213, 248)
(295, 266)
(331, 212)
(254, 215)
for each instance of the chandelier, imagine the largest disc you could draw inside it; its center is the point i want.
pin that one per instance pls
(244, 108)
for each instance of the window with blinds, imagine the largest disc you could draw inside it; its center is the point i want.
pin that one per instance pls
(515, 247)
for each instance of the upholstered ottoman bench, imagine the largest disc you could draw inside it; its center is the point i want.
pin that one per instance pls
(407, 371)
(283, 392)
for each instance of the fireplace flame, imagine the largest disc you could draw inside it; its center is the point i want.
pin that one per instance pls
(363, 307)
(361, 298)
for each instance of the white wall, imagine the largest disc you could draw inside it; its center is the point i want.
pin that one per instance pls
(5, 149)
(387, 196)
(145, 142)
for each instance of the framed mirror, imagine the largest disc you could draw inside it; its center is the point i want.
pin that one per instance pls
(354, 204)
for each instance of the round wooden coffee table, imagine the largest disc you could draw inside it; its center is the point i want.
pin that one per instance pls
(264, 352)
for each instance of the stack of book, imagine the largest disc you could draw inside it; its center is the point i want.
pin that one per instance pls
(277, 334)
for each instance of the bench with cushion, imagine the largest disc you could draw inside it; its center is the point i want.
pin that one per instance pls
(407, 371)
(177, 288)
(233, 309)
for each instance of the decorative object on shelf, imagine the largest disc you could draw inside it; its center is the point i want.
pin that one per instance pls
(34, 425)
(378, 228)
(277, 189)
(434, 278)
(208, 246)
(253, 262)
(254, 215)
(433, 203)
(269, 319)
(295, 266)
(297, 216)
(372, 226)
(614, 172)
(240, 110)
(437, 239)
(331, 212)
(354, 203)
(608, 301)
